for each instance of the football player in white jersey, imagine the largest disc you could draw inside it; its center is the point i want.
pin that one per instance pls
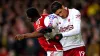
(69, 26)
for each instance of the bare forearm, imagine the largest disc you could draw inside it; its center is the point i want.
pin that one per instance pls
(32, 35)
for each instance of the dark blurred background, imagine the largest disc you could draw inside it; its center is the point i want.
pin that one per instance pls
(13, 21)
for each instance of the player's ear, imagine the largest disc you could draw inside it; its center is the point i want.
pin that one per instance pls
(63, 6)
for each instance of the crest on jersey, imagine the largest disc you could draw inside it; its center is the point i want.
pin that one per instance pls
(78, 16)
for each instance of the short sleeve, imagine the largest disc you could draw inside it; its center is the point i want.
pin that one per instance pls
(76, 14)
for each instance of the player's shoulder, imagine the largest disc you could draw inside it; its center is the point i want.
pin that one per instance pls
(42, 17)
(74, 11)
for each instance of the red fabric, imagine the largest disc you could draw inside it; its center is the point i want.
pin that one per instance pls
(47, 45)
(5, 53)
(42, 52)
(80, 51)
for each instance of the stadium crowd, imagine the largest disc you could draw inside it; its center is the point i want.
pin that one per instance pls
(13, 21)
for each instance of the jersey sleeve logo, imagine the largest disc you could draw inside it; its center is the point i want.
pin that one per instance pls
(78, 16)
(68, 20)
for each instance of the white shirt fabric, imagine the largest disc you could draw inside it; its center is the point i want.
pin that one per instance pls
(70, 28)
(54, 53)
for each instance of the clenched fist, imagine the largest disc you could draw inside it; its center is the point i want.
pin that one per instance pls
(19, 37)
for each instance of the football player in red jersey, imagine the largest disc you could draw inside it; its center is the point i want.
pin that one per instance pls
(52, 47)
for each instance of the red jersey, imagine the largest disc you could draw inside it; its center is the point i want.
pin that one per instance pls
(47, 45)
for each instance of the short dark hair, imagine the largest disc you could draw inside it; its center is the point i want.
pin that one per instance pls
(32, 13)
(55, 6)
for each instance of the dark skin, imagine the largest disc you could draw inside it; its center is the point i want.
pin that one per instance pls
(28, 35)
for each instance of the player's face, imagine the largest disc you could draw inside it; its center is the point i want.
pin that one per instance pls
(31, 20)
(61, 12)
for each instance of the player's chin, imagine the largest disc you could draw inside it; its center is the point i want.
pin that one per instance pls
(63, 17)
(32, 20)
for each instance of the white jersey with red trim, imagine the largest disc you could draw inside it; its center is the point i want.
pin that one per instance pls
(69, 27)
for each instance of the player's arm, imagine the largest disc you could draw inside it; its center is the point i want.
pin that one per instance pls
(76, 25)
(34, 34)
(28, 35)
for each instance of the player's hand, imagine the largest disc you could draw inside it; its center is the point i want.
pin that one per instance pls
(19, 37)
(58, 37)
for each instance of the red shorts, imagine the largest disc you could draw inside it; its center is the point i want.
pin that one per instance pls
(80, 51)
